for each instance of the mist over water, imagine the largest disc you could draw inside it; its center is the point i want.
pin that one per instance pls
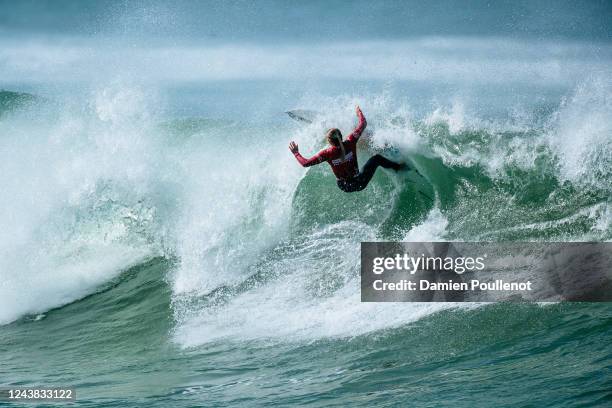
(149, 200)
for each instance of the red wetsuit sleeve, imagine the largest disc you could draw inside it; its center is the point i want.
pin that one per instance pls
(316, 159)
(353, 137)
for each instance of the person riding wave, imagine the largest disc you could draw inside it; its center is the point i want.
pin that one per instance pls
(342, 157)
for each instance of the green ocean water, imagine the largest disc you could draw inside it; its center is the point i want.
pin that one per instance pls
(119, 352)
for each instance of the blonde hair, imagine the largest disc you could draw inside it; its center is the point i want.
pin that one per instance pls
(334, 137)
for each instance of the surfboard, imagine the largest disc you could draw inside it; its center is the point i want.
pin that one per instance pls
(303, 115)
(310, 116)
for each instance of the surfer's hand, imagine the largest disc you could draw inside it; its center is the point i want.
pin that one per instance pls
(293, 147)
(358, 110)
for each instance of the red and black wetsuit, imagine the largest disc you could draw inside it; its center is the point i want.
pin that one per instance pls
(347, 170)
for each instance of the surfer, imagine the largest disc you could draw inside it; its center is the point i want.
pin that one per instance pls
(342, 157)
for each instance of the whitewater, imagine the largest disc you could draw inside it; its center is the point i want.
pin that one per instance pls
(158, 238)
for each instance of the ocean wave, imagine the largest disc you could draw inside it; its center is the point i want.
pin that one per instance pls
(116, 183)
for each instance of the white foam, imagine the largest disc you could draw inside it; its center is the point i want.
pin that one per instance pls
(578, 135)
(317, 295)
(432, 229)
(236, 203)
(73, 215)
(455, 118)
(604, 219)
(581, 134)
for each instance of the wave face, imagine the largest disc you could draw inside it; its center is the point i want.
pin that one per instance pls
(159, 238)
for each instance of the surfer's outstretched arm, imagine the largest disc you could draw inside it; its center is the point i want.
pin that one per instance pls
(316, 159)
(353, 137)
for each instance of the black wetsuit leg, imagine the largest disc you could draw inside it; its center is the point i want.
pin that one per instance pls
(360, 181)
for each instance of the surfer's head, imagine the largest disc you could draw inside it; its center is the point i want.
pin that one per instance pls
(334, 137)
